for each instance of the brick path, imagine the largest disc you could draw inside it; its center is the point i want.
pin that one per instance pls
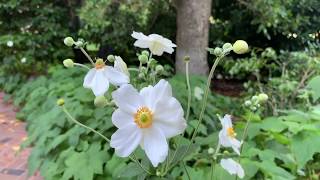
(13, 165)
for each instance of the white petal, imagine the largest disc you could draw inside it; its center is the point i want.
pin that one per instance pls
(99, 83)
(142, 41)
(232, 167)
(235, 144)
(168, 116)
(155, 145)
(147, 94)
(226, 121)
(125, 140)
(88, 78)
(127, 98)
(224, 139)
(121, 118)
(121, 66)
(152, 95)
(115, 77)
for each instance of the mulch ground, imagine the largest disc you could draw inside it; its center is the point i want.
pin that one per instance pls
(13, 162)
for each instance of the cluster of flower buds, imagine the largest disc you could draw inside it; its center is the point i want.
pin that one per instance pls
(239, 47)
(255, 102)
(69, 41)
(145, 59)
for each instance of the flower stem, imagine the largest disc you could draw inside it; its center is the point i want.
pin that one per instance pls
(82, 125)
(82, 65)
(134, 159)
(87, 55)
(189, 90)
(185, 168)
(204, 102)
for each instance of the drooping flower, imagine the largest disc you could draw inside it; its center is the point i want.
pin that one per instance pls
(232, 167)
(157, 44)
(227, 136)
(121, 66)
(148, 118)
(99, 77)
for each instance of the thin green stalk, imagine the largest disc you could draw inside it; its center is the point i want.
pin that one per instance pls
(204, 104)
(185, 168)
(212, 168)
(87, 55)
(82, 125)
(189, 90)
(82, 65)
(134, 159)
(244, 135)
(205, 98)
(188, 106)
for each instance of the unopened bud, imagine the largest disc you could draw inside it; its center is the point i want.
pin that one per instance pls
(141, 75)
(247, 103)
(227, 47)
(262, 97)
(145, 53)
(100, 101)
(68, 41)
(143, 58)
(186, 58)
(254, 98)
(60, 102)
(217, 51)
(240, 47)
(79, 43)
(210, 151)
(68, 63)
(159, 68)
(111, 58)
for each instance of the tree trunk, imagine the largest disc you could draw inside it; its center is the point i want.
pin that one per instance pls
(193, 34)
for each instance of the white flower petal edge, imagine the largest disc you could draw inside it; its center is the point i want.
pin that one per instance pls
(97, 79)
(232, 167)
(227, 135)
(154, 113)
(121, 66)
(157, 44)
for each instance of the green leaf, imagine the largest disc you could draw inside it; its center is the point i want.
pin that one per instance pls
(273, 124)
(131, 170)
(304, 146)
(84, 165)
(314, 85)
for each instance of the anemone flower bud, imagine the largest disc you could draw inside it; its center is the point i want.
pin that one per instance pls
(60, 102)
(262, 97)
(111, 58)
(100, 101)
(240, 47)
(227, 47)
(68, 41)
(143, 58)
(159, 68)
(68, 63)
(145, 53)
(217, 51)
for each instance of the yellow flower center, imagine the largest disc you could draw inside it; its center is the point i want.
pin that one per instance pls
(231, 133)
(99, 64)
(143, 117)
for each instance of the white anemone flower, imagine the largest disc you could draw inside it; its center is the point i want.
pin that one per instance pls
(146, 118)
(227, 135)
(121, 66)
(232, 167)
(157, 44)
(99, 77)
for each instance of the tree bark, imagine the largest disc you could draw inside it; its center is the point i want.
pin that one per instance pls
(193, 34)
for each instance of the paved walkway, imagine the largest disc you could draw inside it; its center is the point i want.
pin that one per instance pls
(13, 165)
